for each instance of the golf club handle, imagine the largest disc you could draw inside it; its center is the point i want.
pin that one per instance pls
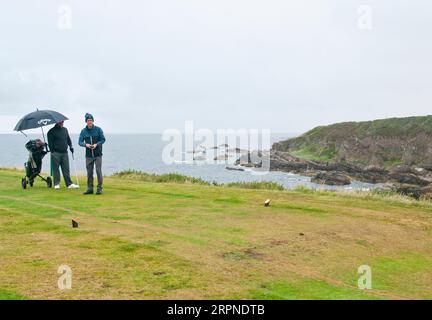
(91, 142)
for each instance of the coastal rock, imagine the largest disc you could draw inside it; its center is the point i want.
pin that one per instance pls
(387, 152)
(331, 178)
(414, 191)
(199, 158)
(237, 150)
(427, 167)
(235, 168)
(284, 161)
(393, 151)
(250, 159)
(408, 178)
(221, 157)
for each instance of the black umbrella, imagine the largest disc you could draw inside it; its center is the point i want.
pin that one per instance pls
(39, 119)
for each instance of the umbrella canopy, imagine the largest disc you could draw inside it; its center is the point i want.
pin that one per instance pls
(38, 119)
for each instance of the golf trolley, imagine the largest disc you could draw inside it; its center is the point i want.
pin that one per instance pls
(33, 166)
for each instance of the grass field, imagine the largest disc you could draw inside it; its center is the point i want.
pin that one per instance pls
(148, 240)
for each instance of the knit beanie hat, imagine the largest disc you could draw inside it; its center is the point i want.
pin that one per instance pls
(88, 116)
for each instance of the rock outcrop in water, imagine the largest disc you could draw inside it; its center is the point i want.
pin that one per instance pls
(331, 178)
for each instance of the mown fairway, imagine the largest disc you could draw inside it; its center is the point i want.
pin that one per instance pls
(145, 240)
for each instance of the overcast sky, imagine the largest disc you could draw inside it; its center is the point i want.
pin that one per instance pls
(149, 65)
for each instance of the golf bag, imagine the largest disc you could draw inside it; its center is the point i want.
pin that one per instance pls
(33, 166)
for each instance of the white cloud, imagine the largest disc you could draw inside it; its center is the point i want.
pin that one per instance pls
(144, 66)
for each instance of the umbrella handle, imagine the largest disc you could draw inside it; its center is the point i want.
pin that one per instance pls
(46, 144)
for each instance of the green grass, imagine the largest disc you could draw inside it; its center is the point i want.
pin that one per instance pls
(407, 265)
(263, 185)
(307, 289)
(7, 295)
(175, 238)
(165, 178)
(324, 155)
(179, 178)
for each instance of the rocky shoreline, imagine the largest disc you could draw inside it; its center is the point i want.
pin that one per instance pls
(412, 181)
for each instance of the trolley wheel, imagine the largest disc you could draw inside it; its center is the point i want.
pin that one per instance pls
(49, 182)
(24, 183)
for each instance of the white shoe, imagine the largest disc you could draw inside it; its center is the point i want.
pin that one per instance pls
(73, 186)
(57, 187)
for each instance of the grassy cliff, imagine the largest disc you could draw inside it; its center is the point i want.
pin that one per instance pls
(145, 239)
(386, 143)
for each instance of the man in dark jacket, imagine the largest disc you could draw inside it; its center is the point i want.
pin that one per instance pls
(92, 138)
(59, 141)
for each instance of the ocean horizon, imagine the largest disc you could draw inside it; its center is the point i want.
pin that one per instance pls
(143, 152)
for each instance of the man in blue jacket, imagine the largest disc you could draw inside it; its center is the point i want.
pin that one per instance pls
(92, 138)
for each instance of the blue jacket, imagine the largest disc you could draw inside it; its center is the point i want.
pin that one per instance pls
(94, 135)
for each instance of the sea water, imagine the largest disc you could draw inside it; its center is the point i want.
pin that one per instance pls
(143, 152)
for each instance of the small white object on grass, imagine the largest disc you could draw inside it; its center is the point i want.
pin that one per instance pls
(267, 203)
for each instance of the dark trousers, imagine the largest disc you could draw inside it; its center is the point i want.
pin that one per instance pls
(61, 160)
(90, 164)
